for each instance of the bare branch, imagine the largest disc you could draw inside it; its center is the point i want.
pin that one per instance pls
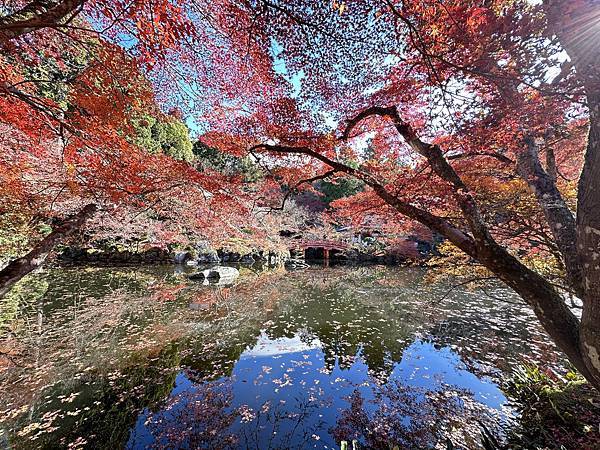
(294, 189)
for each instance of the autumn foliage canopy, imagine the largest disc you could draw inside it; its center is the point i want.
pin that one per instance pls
(475, 120)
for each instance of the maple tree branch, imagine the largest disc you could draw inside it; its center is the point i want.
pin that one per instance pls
(18, 268)
(35, 15)
(323, 176)
(499, 156)
(298, 184)
(36, 103)
(439, 164)
(549, 306)
(388, 111)
(340, 167)
(436, 223)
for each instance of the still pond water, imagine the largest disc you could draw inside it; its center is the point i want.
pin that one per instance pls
(144, 358)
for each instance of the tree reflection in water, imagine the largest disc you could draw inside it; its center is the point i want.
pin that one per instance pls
(198, 418)
(202, 418)
(400, 416)
(146, 358)
(394, 416)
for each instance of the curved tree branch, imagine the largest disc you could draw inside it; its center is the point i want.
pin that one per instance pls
(294, 189)
(548, 305)
(35, 15)
(20, 267)
(499, 156)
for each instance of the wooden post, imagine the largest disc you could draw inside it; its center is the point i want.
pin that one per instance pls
(326, 256)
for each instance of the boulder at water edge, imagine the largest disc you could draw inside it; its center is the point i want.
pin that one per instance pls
(221, 273)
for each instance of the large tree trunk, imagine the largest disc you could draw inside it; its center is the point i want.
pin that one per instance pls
(577, 25)
(20, 267)
(588, 229)
(588, 235)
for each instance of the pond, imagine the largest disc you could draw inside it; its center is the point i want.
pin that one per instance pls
(145, 358)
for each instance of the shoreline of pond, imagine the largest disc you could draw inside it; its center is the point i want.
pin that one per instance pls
(73, 257)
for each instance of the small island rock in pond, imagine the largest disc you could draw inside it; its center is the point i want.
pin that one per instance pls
(223, 274)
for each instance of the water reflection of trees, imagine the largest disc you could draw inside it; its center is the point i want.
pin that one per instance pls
(339, 307)
(400, 416)
(109, 343)
(196, 419)
(96, 410)
(90, 350)
(117, 338)
(348, 323)
(492, 337)
(203, 418)
(391, 416)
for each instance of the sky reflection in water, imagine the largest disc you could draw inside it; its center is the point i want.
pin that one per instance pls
(282, 360)
(289, 375)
